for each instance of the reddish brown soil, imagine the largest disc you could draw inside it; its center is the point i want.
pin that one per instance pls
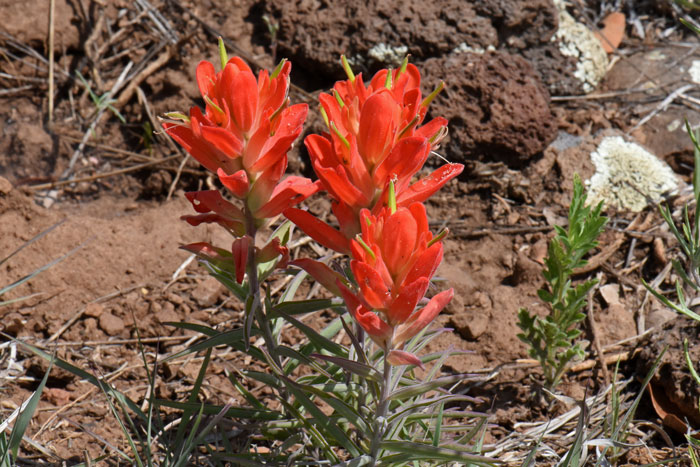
(120, 283)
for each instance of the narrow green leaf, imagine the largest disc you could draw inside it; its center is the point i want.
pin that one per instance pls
(26, 415)
(419, 451)
(233, 412)
(317, 339)
(82, 374)
(232, 338)
(422, 388)
(360, 369)
(306, 306)
(321, 420)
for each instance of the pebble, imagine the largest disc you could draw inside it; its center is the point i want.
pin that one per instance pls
(94, 310)
(5, 186)
(207, 292)
(110, 324)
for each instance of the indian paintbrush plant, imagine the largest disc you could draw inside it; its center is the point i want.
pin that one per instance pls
(551, 339)
(349, 393)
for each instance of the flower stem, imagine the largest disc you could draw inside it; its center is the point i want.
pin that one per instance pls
(380, 427)
(254, 289)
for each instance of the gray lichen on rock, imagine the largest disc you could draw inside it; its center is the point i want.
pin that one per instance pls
(576, 40)
(627, 176)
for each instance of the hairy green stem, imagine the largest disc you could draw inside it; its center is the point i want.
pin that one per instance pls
(380, 426)
(254, 289)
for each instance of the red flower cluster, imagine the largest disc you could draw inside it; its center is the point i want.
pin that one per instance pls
(243, 136)
(374, 137)
(394, 259)
(375, 145)
(245, 133)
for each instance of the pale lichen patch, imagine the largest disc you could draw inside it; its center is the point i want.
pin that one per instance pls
(576, 40)
(627, 176)
(388, 55)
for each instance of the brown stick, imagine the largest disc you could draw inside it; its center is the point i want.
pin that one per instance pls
(52, 14)
(48, 186)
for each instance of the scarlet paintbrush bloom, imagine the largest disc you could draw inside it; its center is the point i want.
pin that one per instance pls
(375, 136)
(245, 133)
(393, 261)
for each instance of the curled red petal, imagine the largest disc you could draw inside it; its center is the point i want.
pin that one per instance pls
(288, 127)
(398, 240)
(400, 357)
(211, 201)
(264, 186)
(374, 326)
(291, 191)
(272, 250)
(237, 227)
(206, 75)
(407, 299)
(405, 159)
(237, 183)
(223, 140)
(240, 256)
(372, 287)
(425, 265)
(422, 318)
(318, 230)
(377, 127)
(424, 188)
(207, 251)
(240, 89)
(323, 274)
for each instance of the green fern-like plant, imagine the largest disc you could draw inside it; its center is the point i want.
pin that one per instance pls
(551, 339)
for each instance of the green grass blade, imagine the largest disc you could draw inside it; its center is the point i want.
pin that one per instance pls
(26, 415)
(233, 412)
(80, 373)
(418, 451)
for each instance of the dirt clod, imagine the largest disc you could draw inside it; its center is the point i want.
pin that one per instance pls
(207, 292)
(110, 324)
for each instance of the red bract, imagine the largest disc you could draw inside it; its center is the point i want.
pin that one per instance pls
(245, 133)
(394, 259)
(375, 136)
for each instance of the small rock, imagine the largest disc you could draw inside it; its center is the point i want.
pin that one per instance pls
(167, 313)
(57, 396)
(659, 315)
(94, 310)
(471, 323)
(175, 298)
(207, 292)
(90, 327)
(5, 186)
(110, 324)
(526, 271)
(12, 323)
